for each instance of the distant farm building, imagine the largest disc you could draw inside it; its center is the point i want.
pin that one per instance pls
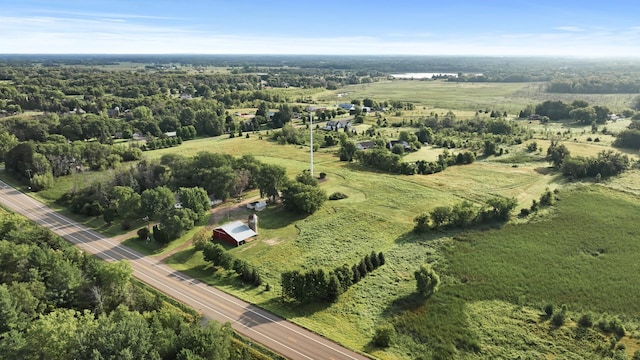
(347, 106)
(335, 125)
(235, 233)
(364, 145)
(404, 144)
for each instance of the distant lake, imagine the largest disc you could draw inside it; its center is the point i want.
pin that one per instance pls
(421, 75)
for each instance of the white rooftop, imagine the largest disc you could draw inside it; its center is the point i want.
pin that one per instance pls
(238, 230)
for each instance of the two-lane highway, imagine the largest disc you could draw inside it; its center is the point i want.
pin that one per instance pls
(281, 336)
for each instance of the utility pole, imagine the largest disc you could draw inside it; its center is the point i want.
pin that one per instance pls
(30, 179)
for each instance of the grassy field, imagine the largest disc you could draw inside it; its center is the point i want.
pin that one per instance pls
(378, 216)
(582, 255)
(443, 95)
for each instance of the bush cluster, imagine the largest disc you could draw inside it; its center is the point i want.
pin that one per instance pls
(338, 196)
(154, 144)
(465, 214)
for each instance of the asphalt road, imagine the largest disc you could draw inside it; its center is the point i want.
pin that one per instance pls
(260, 326)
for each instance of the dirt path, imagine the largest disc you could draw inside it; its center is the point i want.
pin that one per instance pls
(217, 216)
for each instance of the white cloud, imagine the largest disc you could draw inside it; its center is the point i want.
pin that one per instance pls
(118, 36)
(570, 28)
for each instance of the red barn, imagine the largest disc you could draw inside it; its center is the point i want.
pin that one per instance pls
(235, 233)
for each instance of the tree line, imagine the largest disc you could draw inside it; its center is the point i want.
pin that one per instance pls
(37, 164)
(579, 110)
(177, 191)
(607, 163)
(317, 285)
(627, 84)
(218, 256)
(465, 214)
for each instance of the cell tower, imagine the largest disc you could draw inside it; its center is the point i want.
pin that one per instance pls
(311, 136)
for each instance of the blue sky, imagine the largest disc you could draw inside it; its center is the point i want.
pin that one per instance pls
(445, 27)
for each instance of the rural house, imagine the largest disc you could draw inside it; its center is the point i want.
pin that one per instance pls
(337, 124)
(364, 145)
(347, 106)
(404, 144)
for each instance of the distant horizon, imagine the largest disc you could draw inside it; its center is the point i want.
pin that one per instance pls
(516, 28)
(115, 55)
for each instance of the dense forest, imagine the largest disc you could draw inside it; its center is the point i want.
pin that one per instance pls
(57, 302)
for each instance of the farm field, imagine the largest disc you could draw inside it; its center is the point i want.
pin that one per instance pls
(441, 96)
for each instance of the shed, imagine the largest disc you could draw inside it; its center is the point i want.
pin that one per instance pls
(235, 233)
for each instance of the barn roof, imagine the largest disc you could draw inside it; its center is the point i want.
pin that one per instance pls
(237, 230)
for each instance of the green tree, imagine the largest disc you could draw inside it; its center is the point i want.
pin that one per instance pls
(489, 148)
(384, 336)
(501, 207)
(347, 150)
(52, 336)
(304, 198)
(602, 113)
(334, 288)
(583, 115)
(440, 216)
(175, 222)
(8, 310)
(126, 201)
(263, 109)
(282, 116)
(154, 202)
(306, 178)
(195, 199)
(556, 153)
(421, 223)
(7, 142)
(427, 281)
(187, 117)
(425, 135)
(271, 180)
(142, 113)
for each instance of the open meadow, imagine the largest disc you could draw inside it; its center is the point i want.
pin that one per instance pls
(441, 96)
